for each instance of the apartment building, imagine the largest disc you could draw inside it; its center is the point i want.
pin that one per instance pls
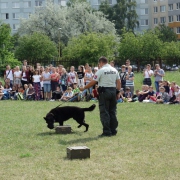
(159, 12)
(12, 10)
(174, 16)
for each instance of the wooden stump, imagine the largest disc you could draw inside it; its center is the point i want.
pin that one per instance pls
(78, 152)
(66, 129)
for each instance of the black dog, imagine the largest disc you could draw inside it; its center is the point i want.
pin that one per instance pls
(61, 114)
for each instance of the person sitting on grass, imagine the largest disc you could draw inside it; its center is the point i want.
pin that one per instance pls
(1, 86)
(135, 96)
(19, 94)
(6, 91)
(176, 98)
(95, 94)
(163, 96)
(12, 92)
(57, 94)
(76, 94)
(166, 85)
(151, 97)
(128, 95)
(144, 93)
(67, 94)
(1, 94)
(172, 87)
(120, 96)
(25, 91)
(30, 93)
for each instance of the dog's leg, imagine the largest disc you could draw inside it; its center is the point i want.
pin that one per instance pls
(79, 125)
(86, 125)
(61, 123)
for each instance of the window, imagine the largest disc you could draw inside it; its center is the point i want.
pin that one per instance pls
(162, 8)
(178, 30)
(27, 15)
(162, 20)
(155, 20)
(38, 3)
(170, 18)
(155, 9)
(144, 22)
(178, 17)
(15, 26)
(4, 5)
(144, 1)
(177, 5)
(27, 4)
(5, 16)
(144, 11)
(15, 5)
(170, 7)
(15, 15)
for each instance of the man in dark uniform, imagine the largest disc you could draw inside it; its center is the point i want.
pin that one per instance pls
(109, 83)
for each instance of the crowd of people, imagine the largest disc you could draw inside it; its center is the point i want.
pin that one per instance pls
(55, 83)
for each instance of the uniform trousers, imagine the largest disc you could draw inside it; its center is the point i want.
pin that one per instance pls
(107, 107)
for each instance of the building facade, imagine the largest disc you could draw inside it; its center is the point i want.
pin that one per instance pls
(159, 12)
(174, 16)
(12, 10)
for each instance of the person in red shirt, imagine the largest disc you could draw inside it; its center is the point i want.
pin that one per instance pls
(95, 93)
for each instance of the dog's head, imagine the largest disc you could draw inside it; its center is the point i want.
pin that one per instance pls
(50, 120)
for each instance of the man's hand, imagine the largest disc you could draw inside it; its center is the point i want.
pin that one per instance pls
(81, 89)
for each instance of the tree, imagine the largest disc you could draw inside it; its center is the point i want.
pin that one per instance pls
(6, 56)
(35, 47)
(5, 41)
(123, 14)
(165, 33)
(171, 52)
(90, 46)
(73, 21)
(140, 48)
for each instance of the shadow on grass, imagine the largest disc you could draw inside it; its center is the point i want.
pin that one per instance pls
(79, 140)
(52, 132)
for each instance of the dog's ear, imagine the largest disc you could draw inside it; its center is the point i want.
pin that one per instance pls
(45, 118)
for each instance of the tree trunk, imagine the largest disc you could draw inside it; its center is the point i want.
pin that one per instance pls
(138, 65)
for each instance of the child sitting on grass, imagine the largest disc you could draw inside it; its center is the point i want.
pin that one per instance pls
(76, 93)
(57, 94)
(120, 96)
(151, 97)
(163, 96)
(30, 93)
(67, 94)
(144, 93)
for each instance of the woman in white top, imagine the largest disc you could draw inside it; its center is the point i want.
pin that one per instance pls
(88, 77)
(37, 85)
(72, 77)
(147, 75)
(17, 77)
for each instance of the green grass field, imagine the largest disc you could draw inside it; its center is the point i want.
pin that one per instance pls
(146, 147)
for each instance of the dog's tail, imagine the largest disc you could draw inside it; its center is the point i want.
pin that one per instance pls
(91, 108)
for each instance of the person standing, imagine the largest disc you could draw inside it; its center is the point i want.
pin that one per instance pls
(158, 74)
(72, 77)
(109, 83)
(147, 75)
(17, 78)
(8, 76)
